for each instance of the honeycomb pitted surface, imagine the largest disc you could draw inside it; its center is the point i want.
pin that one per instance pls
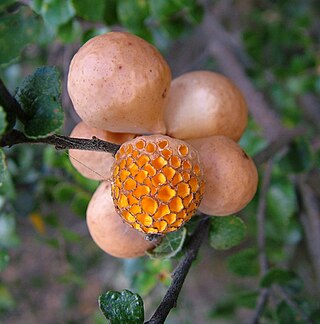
(157, 183)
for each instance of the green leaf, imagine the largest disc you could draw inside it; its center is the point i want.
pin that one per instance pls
(4, 259)
(223, 309)
(92, 10)
(122, 307)
(3, 121)
(6, 3)
(64, 192)
(39, 97)
(110, 14)
(285, 314)
(299, 158)
(36, 5)
(281, 277)
(25, 27)
(92, 32)
(70, 236)
(226, 232)
(56, 12)
(70, 31)
(171, 244)
(80, 203)
(7, 188)
(145, 274)
(252, 140)
(3, 167)
(196, 14)
(244, 263)
(6, 299)
(281, 205)
(163, 9)
(133, 15)
(8, 236)
(144, 282)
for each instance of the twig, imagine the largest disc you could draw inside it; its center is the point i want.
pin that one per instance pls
(170, 299)
(261, 215)
(310, 221)
(261, 304)
(261, 241)
(282, 292)
(60, 142)
(276, 145)
(232, 67)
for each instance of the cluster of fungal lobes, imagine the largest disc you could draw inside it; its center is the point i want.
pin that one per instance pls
(157, 186)
(121, 88)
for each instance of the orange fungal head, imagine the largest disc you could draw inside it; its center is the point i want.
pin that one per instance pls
(157, 183)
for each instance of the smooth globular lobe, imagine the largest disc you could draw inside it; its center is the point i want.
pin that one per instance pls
(157, 183)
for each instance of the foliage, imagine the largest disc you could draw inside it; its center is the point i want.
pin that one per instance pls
(281, 57)
(39, 96)
(123, 307)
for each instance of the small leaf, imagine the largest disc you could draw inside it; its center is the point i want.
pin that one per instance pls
(299, 158)
(122, 307)
(163, 9)
(6, 299)
(56, 12)
(146, 274)
(24, 26)
(8, 236)
(244, 263)
(133, 15)
(70, 31)
(110, 14)
(171, 244)
(6, 3)
(223, 309)
(64, 192)
(91, 10)
(39, 97)
(144, 282)
(4, 259)
(226, 232)
(3, 121)
(70, 236)
(92, 32)
(80, 203)
(285, 314)
(281, 203)
(3, 167)
(283, 278)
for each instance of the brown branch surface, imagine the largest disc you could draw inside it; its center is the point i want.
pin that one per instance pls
(170, 299)
(60, 142)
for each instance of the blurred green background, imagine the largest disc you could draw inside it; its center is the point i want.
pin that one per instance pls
(52, 272)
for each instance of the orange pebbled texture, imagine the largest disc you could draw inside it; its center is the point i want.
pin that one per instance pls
(157, 183)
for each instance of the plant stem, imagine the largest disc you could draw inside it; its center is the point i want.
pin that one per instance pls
(170, 299)
(60, 142)
(261, 242)
(287, 136)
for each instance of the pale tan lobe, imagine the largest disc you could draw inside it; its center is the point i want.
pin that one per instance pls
(93, 164)
(230, 174)
(108, 230)
(119, 82)
(204, 103)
